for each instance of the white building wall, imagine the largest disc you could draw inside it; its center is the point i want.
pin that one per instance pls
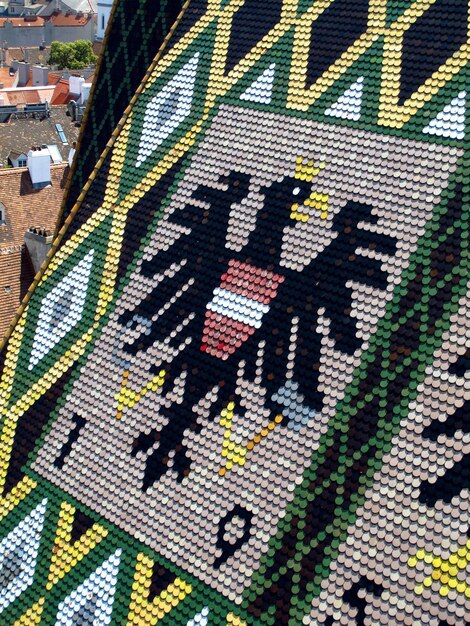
(104, 11)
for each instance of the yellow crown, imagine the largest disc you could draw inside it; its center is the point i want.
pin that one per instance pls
(307, 170)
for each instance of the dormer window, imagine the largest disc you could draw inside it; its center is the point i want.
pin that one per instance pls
(3, 216)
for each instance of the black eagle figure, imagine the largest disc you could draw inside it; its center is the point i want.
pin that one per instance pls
(218, 327)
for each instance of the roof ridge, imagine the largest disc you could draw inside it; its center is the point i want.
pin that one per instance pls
(4, 171)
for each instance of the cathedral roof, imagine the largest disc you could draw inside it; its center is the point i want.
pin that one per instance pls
(237, 392)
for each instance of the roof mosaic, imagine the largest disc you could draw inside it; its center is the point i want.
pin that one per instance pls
(238, 393)
(136, 32)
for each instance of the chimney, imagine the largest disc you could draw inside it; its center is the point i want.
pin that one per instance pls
(72, 151)
(40, 75)
(23, 72)
(38, 242)
(75, 85)
(39, 166)
(84, 92)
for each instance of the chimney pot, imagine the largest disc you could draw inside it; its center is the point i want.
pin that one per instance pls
(39, 166)
(38, 242)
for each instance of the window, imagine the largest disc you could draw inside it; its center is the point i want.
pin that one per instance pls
(2, 214)
(102, 22)
(21, 162)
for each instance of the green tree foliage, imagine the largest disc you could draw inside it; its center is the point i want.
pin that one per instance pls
(73, 56)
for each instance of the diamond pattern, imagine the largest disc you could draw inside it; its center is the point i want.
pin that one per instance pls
(61, 309)
(18, 556)
(166, 110)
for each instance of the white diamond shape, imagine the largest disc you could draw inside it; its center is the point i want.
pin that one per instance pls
(348, 106)
(261, 90)
(166, 110)
(200, 619)
(97, 591)
(61, 309)
(450, 122)
(19, 554)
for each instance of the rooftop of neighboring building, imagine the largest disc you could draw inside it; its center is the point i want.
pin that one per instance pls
(58, 19)
(25, 207)
(52, 79)
(86, 72)
(20, 134)
(86, 6)
(33, 55)
(62, 93)
(62, 19)
(23, 96)
(27, 21)
(7, 78)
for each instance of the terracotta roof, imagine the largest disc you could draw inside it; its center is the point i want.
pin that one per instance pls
(16, 275)
(69, 20)
(6, 79)
(21, 22)
(28, 95)
(25, 207)
(24, 96)
(52, 78)
(32, 55)
(14, 97)
(62, 93)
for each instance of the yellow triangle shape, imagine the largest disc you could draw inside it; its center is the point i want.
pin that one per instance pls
(142, 612)
(65, 555)
(234, 620)
(16, 495)
(32, 617)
